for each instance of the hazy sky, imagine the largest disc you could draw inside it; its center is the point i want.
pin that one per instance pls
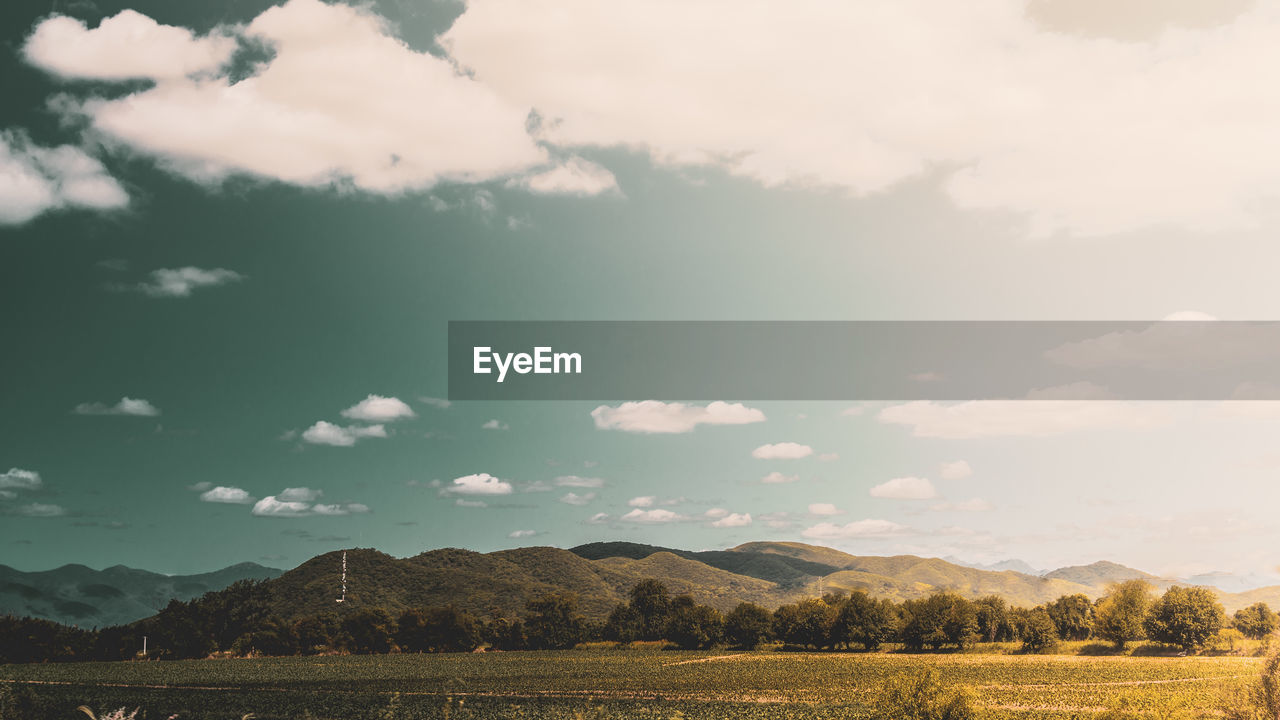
(230, 242)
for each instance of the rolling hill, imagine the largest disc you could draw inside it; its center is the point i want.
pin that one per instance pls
(78, 595)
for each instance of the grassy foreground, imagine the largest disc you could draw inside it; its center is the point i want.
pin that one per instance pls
(611, 684)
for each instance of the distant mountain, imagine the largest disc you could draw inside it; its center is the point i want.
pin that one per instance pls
(1101, 574)
(78, 595)
(774, 567)
(1020, 566)
(1233, 583)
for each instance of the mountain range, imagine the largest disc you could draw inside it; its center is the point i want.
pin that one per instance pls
(599, 574)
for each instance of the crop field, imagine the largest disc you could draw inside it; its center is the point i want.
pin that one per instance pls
(613, 684)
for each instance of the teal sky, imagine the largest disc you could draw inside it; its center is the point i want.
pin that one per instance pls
(316, 289)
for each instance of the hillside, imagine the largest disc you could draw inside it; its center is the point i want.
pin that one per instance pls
(79, 595)
(1100, 574)
(773, 567)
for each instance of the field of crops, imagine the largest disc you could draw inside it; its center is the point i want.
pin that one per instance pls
(611, 684)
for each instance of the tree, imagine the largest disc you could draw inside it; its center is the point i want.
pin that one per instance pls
(369, 630)
(995, 621)
(624, 624)
(651, 602)
(315, 633)
(1073, 616)
(1040, 633)
(1185, 616)
(864, 620)
(747, 626)
(553, 623)
(1118, 616)
(807, 623)
(1256, 621)
(694, 626)
(941, 619)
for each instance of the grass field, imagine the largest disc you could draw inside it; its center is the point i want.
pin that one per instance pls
(601, 683)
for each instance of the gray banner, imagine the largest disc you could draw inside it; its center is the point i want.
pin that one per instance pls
(640, 360)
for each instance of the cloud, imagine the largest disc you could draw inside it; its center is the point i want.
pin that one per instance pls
(1022, 418)
(824, 509)
(575, 481)
(733, 520)
(299, 494)
(126, 46)
(296, 502)
(905, 488)
(574, 176)
(653, 416)
(495, 425)
(855, 411)
(970, 505)
(782, 451)
(956, 470)
(642, 502)
(435, 402)
(41, 510)
(461, 502)
(1180, 344)
(377, 408)
(126, 406)
(997, 107)
(326, 433)
(19, 479)
(340, 101)
(339, 509)
(35, 180)
(576, 499)
(517, 534)
(269, 506)
(180, 282)
(478, 484)
(869, 528)
(223, 494)
(776, 477)
(599, 518)
(658, 515)
(716, 513)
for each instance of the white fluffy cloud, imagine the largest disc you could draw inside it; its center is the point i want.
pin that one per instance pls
(776, 477)
(19, 479)
(517, 534)
(643, 501)
(657, 515)
(340, 101)
(782, 451)
(326, 433)
(297, 502)
(180, 282)
(653, 416)
(574, 176)
(905, 488)
(35, 179)
(377, 408)
(495, 425)
(955, 470)
(1022, 418)
(479, 484)
(870, 528)
(573, 498)
(299, 494)
(126, 406)
(224, 494)
(270, 506)
(1075, 133)
(126, 46)
(824, 509)
(733, 520)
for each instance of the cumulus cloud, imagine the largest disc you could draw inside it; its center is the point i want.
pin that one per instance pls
(582, 482)
(955, 470)
(517, 534)
(224, 494)
(776, 477)
(733, 520)
(642, 502)
(339, 509)
(326, 433)
(269, 506)
(495, 425)
(599, 518)
(297, 502)
(377, 408)
(574, 176)
(341, 100)
(573, 498)
(125, 46)
(180, 282)
(478, 484)
(870, 528)
(19, 479)
(657, 515)
(716, 513)
(1022, 418)
(782, 451)
(126, 406)
(905, 488)
(824, 509)
(35, 180)
(299, 494)
(653, 416)
(1000, 109)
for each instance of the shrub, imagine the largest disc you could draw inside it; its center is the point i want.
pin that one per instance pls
(922, 696)
(1261, 699)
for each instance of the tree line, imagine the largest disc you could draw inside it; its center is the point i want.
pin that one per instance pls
(238, 620)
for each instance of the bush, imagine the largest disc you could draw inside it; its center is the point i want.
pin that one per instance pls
(747, 626)
(1261, 699)
(1186, 617)
(1040, 634)
(922, 696)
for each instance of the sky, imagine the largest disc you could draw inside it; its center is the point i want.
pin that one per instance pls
(231, 240)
